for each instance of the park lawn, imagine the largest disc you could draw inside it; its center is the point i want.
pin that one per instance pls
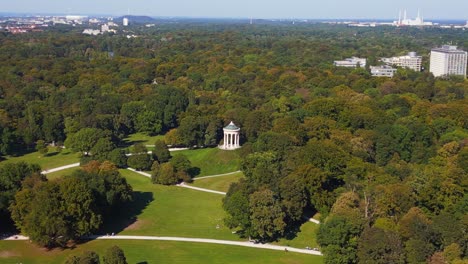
(142, 138)
(212, 161)
(220, 183)
(49, 161)
(305, 238)
(173, 211)
(138, 251)
(61, 173)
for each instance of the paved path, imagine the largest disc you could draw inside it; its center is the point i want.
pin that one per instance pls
(194, 240)
(140, 172)
(199, 189)
(61, 168)
(170, 149)
(183, 183)
(314, 221)
(217, 175)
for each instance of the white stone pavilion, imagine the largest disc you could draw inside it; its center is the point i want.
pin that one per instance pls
(231, 137)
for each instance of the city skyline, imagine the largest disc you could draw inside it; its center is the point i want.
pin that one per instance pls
(330, 9)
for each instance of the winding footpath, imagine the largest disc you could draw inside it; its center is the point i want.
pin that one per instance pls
(193, 240)
(183, 185)
(182, 239)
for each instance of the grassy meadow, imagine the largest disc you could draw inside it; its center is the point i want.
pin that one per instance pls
(221, 183)
(138, 251)
(49, 161)
(212, 161)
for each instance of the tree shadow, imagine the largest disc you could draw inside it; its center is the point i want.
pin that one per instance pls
(122, 219)
(193, 171)
(51, 154)
(127, 143)
(291, 233)
(143, 262)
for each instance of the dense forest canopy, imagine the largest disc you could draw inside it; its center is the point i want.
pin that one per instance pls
(381, 159)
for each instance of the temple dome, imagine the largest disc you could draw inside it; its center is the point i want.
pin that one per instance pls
(231, 127)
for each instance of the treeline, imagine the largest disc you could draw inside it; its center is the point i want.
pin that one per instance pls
(378, 158)
(53, 213)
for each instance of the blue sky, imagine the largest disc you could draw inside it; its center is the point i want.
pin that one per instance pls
(447, 9)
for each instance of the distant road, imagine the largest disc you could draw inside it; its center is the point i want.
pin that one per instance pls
(193, 240)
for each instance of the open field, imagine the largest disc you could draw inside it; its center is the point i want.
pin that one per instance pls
(172, 211)
(305, 238)
(153, 252)
(49, 161)
(221, 183)
(212, 161)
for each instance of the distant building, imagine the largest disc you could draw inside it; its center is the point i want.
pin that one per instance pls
(93, 32)
(419, 21)
(410, 61)
(448, 60)
(353, 62)
(125, 22)
(104, 28)
(382, 71)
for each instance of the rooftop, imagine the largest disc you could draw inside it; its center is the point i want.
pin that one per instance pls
(231, 126)
(448, 49)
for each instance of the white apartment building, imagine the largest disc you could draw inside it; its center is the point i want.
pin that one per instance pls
(411, 61)
(448, 60)
(353, 62)
(382, 71)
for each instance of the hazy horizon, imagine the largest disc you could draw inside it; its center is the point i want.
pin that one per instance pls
(303, 9)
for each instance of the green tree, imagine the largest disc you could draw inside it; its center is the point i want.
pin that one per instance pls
(294, 197)
(261, 168)
(148, 122)
(11, 176)
(42, 218)
(181, 163)
(41, 147)
(236, 205)
(377, 246)
(140, 161)
(161, 152)
(100, 151)
(89, 257)
(118, 157)
(80, 207)
(338, 238)
(266, 216)
(114, 255)
(166, 174)
(85, 139)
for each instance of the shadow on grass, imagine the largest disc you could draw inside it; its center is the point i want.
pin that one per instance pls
(51, 154)
(128, 143)
(128, 214)
(194, 171)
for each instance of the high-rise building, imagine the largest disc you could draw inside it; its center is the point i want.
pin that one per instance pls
(125, 21)
(410, 61)
(448, 60)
